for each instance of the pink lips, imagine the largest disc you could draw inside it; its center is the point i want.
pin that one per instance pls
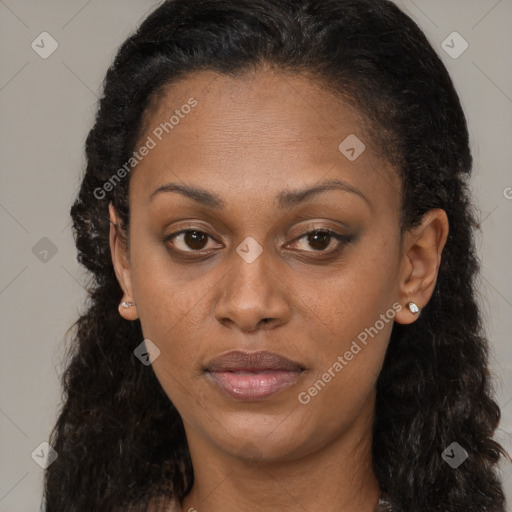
(253, 375)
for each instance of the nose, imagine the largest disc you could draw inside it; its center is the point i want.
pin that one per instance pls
(253, 296)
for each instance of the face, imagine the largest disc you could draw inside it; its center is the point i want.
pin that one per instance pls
(252, 231)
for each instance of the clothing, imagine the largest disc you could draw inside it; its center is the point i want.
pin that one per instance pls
(382, 506)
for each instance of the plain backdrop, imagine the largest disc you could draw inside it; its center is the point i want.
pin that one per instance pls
(47, 105)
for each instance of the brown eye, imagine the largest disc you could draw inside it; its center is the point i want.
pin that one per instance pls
(195, 240)
(188, 240)
(320, 239)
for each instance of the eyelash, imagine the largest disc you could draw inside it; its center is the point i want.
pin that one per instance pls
(342, 241)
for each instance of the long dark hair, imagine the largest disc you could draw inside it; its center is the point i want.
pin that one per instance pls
(119, 439)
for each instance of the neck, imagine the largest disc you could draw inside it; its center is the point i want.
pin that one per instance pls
(339, 474)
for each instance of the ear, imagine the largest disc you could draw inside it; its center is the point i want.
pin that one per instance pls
(422, 247)
(121, 263)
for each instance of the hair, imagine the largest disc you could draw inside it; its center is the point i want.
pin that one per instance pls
(120, 440)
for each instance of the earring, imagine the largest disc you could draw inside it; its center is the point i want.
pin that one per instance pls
(125, 304)
(413, 308)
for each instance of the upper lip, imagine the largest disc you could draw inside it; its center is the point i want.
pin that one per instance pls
(238, 360)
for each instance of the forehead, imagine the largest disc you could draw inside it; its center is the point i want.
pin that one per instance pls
(264, 107)
(258, 132)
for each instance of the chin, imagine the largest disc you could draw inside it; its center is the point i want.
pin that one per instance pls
(257, 436)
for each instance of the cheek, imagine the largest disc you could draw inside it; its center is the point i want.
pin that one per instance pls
(349, 347)
(169, 318)
(352, 298)
(167, 305)
(349, 332)
(355, 311)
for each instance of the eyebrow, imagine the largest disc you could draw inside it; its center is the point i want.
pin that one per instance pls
(285, 199)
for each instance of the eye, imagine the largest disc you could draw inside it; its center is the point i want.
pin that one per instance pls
(196, 241)
(321, 239)
(190, 240)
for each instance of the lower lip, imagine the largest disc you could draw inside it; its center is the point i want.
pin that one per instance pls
(254, 386)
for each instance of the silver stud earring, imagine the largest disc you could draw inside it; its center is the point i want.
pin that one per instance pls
(413, 308)
(125, 304)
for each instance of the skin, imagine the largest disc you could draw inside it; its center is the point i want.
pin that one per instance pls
(246, 141)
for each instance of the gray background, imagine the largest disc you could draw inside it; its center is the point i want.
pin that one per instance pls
(47, 107)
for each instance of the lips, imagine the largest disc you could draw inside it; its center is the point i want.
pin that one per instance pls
(252, 375)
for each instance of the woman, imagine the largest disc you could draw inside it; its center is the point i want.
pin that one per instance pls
(282, 317)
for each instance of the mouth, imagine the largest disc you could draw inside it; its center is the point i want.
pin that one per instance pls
(250, 376)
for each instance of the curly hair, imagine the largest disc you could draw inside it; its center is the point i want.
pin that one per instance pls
(120, 441)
